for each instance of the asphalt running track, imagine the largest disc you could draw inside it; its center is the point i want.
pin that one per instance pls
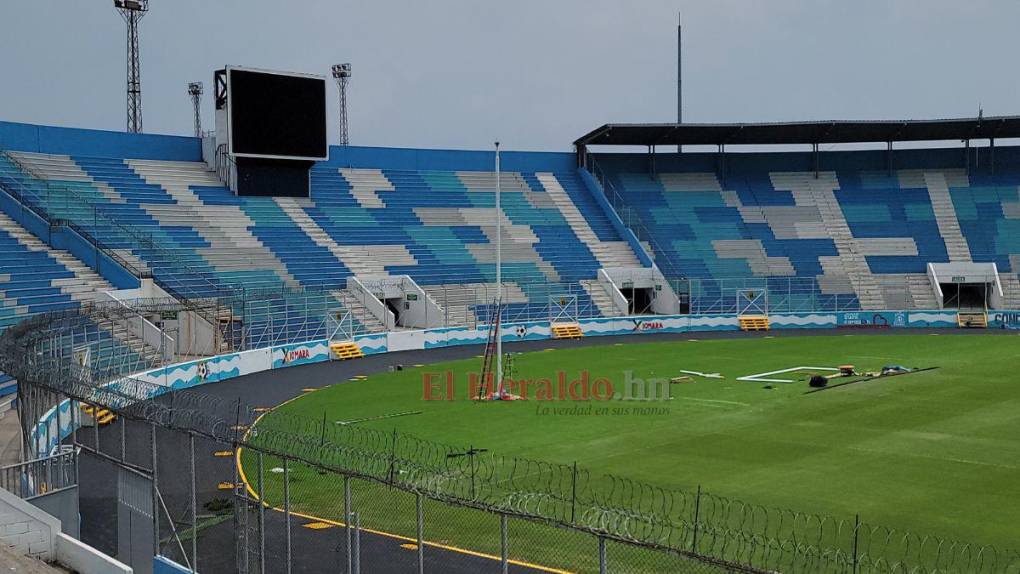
(319, 550)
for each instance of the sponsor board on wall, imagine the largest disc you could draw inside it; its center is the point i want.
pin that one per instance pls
(300, 353)
(871, 319)
(1004, 320)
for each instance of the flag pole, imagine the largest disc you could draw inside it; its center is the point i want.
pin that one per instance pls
(499, 282)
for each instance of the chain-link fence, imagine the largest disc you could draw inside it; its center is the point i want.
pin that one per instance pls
(287, 493)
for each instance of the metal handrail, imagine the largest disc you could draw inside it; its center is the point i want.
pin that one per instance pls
(225, 166)
(630, 218)
(40, 476)
(134, 234)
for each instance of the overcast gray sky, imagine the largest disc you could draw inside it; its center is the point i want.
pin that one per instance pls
(534, 73)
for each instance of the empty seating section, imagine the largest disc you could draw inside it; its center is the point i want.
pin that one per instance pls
(988, 211)
(31, 281)
(177, 221)
(439, 228)
(715, 236)
(35, 278)
(893, 221)
(847, 233)
(841, 240)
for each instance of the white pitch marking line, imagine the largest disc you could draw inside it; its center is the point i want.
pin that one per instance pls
(707, 375)
(758, 377)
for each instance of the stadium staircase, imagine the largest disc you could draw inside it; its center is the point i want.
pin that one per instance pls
(945, 213)
(566, 331)
(754, 323)
(972, 319)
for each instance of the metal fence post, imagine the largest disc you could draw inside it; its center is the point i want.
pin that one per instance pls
(697, 516)
(420, 510)
(603, 566)
(857, 530)
(75, 423)
(95, 427)
(194, 506)
(357, 543)
(155, 486)
(262, 519)
(573, 493)
(286, 506)
(347, 524)
(504, 544)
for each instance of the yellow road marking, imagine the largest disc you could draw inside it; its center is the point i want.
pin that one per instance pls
(318, 525)
(225, 486)
(308, 390)
(262, 409)
(223, 453)
(409, 546)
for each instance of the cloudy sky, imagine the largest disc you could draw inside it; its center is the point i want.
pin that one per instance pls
(532, 73)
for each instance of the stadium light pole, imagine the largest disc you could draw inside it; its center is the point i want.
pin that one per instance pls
(499, 282)
(195, 91)
(679, 68)
(133, 11)
(679, 73)
(342, 75)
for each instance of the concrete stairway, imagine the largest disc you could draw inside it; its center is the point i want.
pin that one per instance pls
(86, 285)
(360, 313)
(921, 292)
(61, 169)
(1010, 289)
(608, 253)
(456, 300)
(945, 216)
(850, 264)
(226, 227)
(602, 300)
(366, 184)
(364, 260)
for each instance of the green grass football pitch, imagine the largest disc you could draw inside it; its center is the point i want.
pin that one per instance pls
(934, 452)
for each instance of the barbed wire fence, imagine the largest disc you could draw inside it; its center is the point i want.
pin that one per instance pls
(438, 499)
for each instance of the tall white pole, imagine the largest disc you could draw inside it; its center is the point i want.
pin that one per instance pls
(499, 281)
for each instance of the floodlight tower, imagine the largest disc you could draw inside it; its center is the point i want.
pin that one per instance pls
(342, 75)
(133, 11)
(195, 91)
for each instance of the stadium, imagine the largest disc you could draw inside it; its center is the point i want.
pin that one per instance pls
(753, 347)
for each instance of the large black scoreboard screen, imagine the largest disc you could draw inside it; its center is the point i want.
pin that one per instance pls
(276, 115)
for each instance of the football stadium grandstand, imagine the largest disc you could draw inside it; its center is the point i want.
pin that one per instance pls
(249, 351)
(111, 240)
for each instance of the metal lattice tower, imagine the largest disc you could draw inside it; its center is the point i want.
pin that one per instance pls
(133, 11)
(195, 91)
(342, 75)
